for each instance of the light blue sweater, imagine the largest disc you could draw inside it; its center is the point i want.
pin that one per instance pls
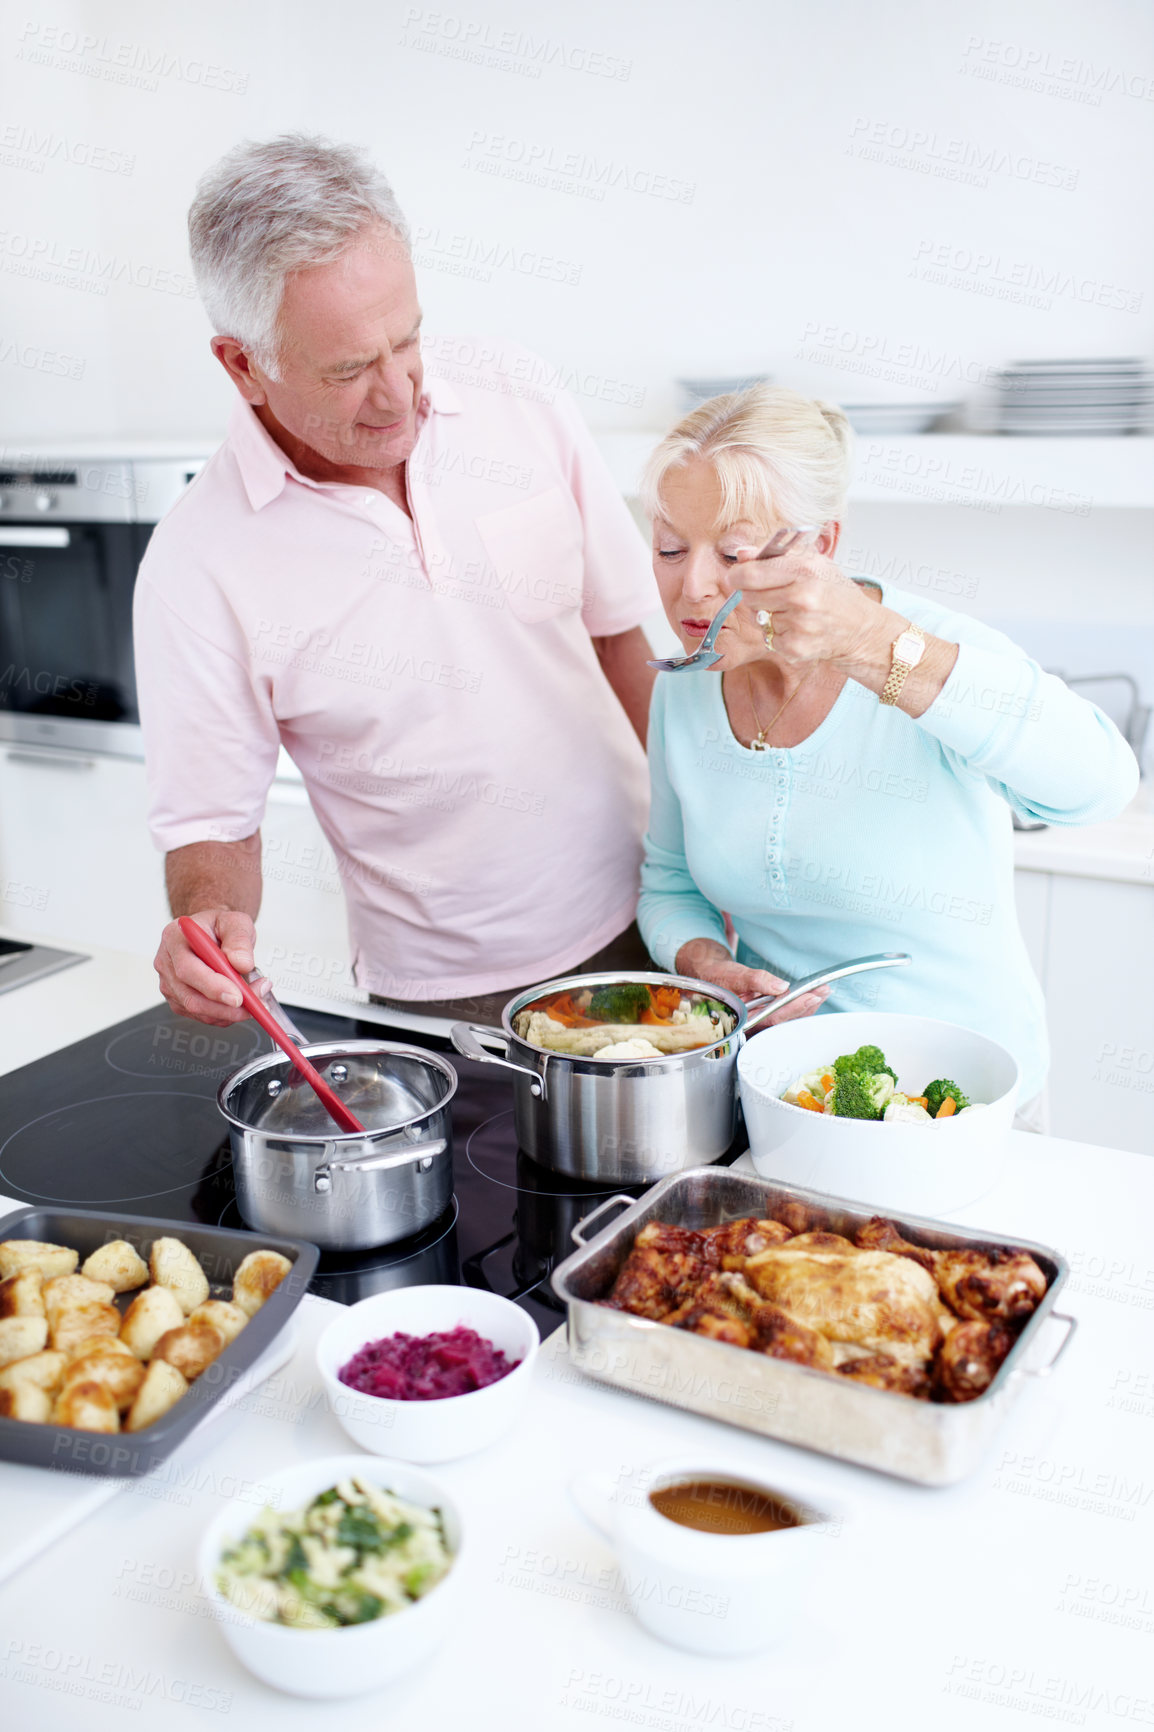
(880, 832)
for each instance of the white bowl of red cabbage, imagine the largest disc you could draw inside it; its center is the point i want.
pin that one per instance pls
(428, 1373)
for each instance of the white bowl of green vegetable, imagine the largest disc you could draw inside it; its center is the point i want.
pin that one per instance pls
(350, 1579)
(907, 1158)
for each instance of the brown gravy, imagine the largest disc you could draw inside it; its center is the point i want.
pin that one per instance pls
(722, 1507)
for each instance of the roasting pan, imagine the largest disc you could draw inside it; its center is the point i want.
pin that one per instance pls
(929, 1442)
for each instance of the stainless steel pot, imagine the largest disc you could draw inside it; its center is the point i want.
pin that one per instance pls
(296, 1173)
(630, 1121)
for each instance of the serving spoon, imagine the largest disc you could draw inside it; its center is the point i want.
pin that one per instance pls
(705, 655)
(204, 945)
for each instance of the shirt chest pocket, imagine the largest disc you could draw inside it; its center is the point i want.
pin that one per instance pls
(537, 551)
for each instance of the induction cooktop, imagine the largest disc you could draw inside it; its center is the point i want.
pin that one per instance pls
(127, 1120)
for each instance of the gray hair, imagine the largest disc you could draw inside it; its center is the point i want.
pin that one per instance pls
(266, 210)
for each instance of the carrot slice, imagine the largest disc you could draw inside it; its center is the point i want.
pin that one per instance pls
(919, 1101)
(806, 1100)
(666, 999)
(948, 1107)
(827, 1081)
(562, 1010)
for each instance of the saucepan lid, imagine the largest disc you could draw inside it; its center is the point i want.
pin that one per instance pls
(387, 1085)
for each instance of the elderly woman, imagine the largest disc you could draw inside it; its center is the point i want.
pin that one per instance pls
(841, 781)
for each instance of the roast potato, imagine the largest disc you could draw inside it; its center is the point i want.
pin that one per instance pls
(118, 1264)
(111, 1364)
(258, 1276)
(42, 1369)
(151, 1314)
(63, 1291)
(86, 1406)
(20, 1337)
(173, 1265)
(21, 1295)
(77, 1323)
(191, 1348)
(17, 1254)
(229, 1319)
(162, 1388)
(26, 1401)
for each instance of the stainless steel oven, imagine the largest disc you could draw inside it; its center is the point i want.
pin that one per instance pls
(72, 534)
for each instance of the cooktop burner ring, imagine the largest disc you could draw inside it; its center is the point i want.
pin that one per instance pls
(596, 1187)
(185, 1050)
(176, 1182)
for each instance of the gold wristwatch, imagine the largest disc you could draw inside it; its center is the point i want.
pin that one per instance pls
(908, 651)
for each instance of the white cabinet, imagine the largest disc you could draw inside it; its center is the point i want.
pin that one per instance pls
(77, 864)
(1100, 964)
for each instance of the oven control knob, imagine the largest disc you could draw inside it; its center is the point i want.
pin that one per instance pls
(43, 501)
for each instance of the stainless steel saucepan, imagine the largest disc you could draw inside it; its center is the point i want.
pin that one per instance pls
(297, 1174)
(631, 1121)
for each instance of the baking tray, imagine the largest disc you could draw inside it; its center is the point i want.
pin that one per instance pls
(220, 1251)
(930, 1442)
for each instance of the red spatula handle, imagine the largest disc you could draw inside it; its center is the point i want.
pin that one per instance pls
(204, 945)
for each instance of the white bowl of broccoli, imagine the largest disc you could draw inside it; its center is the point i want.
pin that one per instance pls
(901, 1112)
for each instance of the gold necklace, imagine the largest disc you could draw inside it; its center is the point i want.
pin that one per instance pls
(761, 742)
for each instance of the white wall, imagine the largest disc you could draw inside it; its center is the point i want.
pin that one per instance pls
(787, 247)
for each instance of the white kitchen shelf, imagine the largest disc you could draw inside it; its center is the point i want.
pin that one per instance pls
(984, 472)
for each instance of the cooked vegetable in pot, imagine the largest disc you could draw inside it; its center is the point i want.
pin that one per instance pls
(627, 1019)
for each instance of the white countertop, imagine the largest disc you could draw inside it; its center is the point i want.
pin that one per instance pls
(1121, 850)
(929, 1603)
(1024, 1590)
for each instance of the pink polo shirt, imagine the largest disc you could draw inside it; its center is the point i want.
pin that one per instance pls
(433, 678)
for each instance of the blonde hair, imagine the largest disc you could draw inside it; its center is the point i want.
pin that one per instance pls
(775, 453)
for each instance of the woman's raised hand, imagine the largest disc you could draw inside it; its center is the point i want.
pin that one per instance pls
(819, 614)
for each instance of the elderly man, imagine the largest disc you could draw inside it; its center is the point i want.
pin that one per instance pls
(429, 594)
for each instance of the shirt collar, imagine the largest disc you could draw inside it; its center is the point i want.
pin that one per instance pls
(264, 467)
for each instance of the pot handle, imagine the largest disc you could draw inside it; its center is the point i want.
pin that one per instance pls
(579, 1233)
(1045, 1370)
(763, 1007)
(420, 1152)
(466, 1038)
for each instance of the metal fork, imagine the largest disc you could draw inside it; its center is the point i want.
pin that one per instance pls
(705, 655)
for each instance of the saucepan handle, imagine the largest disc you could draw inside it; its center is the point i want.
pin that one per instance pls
(763, 1007)
(1045, 1370)
(580, 1232)
(422, 1153)
(467, 1038)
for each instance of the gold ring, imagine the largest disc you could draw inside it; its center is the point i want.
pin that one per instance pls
(765, 621)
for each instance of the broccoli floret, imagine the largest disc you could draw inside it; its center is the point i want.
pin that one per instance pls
(866, 1061)
(852, 1096)
(707, 1007)
(623, 1002)
(936, 1093)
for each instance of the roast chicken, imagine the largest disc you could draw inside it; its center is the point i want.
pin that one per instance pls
(979, 1285)
(931, 1324)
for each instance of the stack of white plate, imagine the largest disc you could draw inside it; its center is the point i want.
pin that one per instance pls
(897, 420)
(695, 391)
(1075, 398)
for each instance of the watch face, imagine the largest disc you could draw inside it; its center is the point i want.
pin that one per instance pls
(910, 647)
